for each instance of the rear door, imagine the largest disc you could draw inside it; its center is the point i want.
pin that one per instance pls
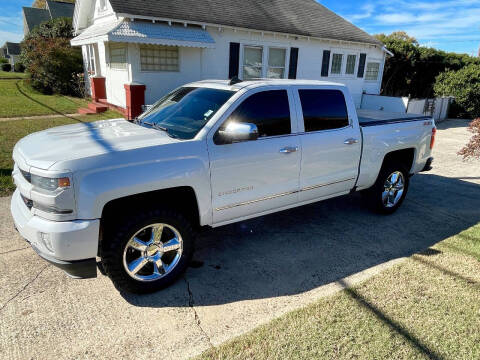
(254, 177)
(330, 141)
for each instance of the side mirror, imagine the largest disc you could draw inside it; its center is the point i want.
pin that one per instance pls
(238, 132)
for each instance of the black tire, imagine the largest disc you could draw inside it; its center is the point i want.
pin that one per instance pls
(374, 194)
(118, 233)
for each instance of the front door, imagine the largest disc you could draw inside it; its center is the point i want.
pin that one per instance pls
(253, 177)
(331, 144)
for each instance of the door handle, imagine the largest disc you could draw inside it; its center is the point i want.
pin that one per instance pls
(350, 141)
(289, 149)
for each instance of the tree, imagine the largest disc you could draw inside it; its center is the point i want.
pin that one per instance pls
(50, 59)
(40, 4)
(413, 68)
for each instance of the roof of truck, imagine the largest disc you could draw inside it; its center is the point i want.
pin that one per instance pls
(227, 85)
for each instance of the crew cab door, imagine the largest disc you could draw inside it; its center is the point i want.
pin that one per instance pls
(330, 140)
(253, 177)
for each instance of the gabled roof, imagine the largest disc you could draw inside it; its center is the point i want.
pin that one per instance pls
(297, 17)
(12, 48)
(60, 9)
(34, 17)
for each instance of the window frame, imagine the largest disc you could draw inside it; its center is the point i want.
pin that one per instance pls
(301, 120)
(372, 61)
(91, 59)
(345, 53)
(159, 71)
(116, 47)
(243, 95)
(265, 59)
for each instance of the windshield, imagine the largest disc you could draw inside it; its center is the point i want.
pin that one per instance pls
(185, 111)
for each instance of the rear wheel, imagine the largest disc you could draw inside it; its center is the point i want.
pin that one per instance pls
(390, 189)
(149, 251)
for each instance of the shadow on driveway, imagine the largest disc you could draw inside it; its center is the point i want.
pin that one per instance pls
(301, 249)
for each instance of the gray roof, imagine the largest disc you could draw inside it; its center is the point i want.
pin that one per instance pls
(34, 17)
(298, 17)
(12, 48)
(60, 9)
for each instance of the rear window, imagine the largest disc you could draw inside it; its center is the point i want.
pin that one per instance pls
(323, 109)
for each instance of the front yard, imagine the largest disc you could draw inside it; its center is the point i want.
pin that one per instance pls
(19, 99)
(425, 308)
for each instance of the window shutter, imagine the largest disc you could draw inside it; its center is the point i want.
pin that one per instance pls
(292, 69)
(361, 65)
(325, 62)
(234, 60)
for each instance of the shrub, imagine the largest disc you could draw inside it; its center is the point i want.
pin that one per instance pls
(472, 150)
(464, 85)
(50, 59)
(6, 67)
(19, 67)
(3, 61)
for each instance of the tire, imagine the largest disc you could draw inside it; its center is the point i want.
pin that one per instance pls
(141, 266)
(375, 194)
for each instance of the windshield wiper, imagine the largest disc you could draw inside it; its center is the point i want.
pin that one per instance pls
(158, 127)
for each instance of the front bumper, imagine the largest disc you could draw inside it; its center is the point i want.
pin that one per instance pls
(70, 245)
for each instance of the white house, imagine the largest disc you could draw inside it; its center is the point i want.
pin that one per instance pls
(135, 51)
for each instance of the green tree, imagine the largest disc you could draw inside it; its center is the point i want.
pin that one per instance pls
(52, 62)
(40, 4)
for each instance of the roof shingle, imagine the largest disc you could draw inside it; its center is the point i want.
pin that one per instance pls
(298, 17)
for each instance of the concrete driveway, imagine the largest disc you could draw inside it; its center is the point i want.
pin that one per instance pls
(252, 272)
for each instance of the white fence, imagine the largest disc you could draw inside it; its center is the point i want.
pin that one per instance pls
(437, 108)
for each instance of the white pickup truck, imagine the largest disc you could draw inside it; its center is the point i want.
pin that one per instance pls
(209, 153)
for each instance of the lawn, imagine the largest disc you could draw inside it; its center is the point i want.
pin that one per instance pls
(12, 75)
(13, 130)
(425, 308)
(18, 99)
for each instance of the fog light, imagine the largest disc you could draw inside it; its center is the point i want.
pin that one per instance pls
(46, 241)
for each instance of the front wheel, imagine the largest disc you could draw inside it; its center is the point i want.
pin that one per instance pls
(148, 252)
(390, 189)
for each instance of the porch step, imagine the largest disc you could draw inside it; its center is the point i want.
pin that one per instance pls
(97, 107)
(86, 111)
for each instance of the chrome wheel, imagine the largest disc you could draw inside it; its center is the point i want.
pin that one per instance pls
(393, 189)
(153, 252)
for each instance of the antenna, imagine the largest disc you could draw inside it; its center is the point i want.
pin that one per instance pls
(234, 80)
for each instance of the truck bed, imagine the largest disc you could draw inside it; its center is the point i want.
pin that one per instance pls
(378, 117)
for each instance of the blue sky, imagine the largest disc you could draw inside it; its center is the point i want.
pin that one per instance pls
(451, 25)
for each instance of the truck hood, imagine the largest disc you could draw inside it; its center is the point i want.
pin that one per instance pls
(45, 148)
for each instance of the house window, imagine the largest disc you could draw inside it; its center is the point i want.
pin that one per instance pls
(337, 60)
(118, 57)
(159, 58)
(373, 69)
(252, 62)
(276, 63)
(351, 62)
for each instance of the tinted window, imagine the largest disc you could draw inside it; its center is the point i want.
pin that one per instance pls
(185, 111)
(268, 110)
(323, 109)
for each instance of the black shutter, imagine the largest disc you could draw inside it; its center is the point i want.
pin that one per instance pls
(325, 62)
(292, 70)
(361, 65)
(234, 60)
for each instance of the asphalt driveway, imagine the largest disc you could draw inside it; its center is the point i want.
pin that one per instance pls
(251, 272)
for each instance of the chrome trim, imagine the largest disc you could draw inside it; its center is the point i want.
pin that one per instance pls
(280, 195)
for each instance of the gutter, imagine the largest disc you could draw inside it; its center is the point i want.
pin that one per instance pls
(388, 51)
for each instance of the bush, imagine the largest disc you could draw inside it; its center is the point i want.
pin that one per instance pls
(19, 67)
(464, 85)
(472, 150)
(6, 67)
(52, 62)
(3, 61)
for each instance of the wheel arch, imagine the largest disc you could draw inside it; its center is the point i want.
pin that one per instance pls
(406, 157)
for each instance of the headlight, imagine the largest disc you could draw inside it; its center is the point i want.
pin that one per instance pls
(49, 184)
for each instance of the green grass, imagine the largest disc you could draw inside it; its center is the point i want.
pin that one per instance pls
(19, 99)
(426, 307)
(14, 75)
(14, 130)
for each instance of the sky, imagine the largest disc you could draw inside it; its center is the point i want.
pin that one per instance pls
(451, 25)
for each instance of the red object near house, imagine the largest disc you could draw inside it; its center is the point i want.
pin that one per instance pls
(99, 90)
(135, 94)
